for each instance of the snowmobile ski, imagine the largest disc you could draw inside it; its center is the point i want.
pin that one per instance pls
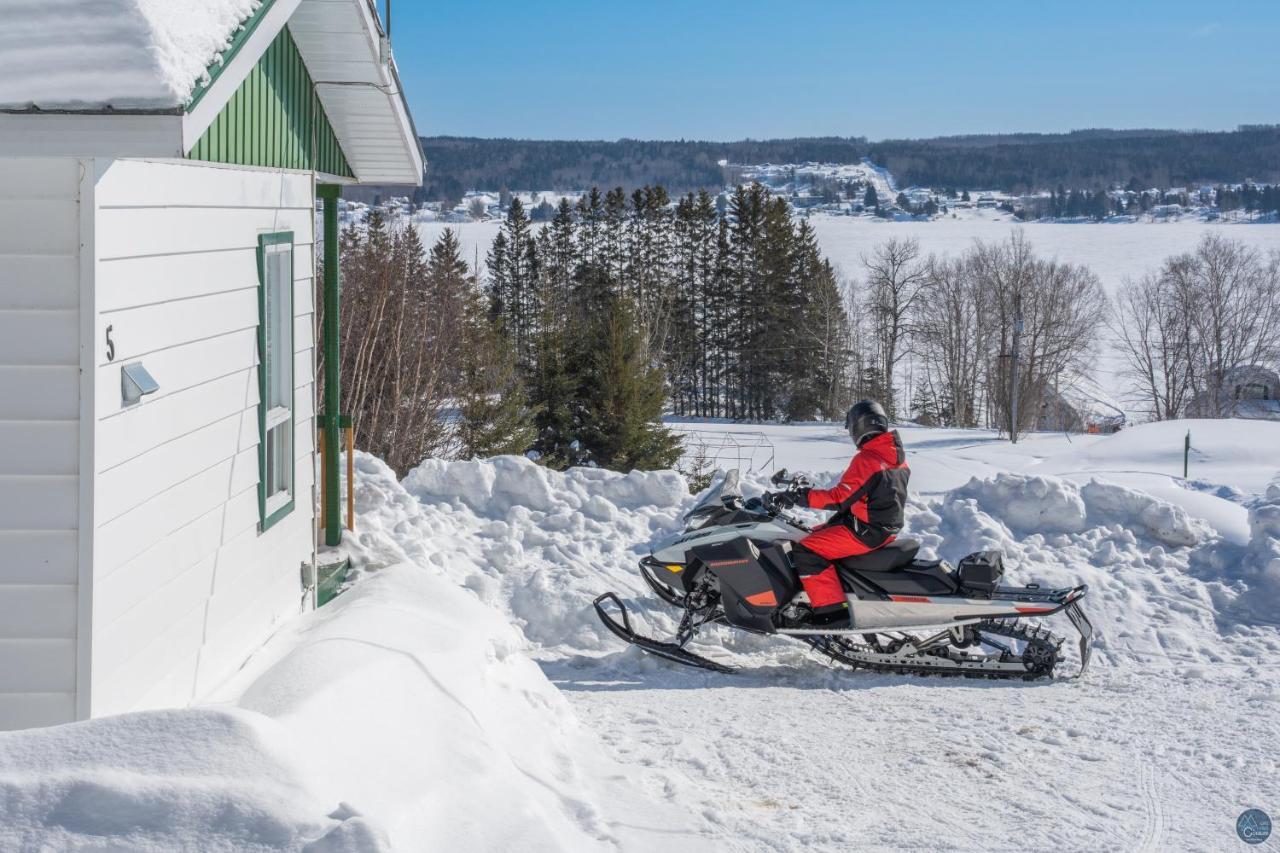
(671, 651)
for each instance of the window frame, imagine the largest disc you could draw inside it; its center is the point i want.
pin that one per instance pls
(273, 508)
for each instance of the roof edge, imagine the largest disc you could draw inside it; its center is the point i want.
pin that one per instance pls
(220, 63)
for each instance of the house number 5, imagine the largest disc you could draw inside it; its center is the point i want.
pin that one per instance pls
(111, 346)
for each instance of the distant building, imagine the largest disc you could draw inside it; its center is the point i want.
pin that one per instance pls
(1251, 391)
(986, 202)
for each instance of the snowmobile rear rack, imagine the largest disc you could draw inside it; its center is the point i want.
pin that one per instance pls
(674, 652)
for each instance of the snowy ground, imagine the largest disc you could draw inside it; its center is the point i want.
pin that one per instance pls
(462, 695)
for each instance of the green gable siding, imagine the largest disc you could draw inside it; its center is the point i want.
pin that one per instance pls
(274, 119)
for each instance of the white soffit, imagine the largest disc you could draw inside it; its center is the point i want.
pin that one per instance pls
(340, 42)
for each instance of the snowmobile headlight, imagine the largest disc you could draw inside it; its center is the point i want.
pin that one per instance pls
(675, 568)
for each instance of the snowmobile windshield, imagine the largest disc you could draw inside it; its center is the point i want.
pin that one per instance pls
(713, 501)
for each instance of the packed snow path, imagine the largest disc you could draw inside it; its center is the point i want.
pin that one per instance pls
(1161, 746)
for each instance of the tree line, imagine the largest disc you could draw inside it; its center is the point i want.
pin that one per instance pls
(739, 311)
(1010, 162)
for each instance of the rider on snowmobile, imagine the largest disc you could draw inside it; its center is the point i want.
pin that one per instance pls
(868, 501)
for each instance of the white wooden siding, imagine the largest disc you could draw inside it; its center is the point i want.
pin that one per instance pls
(39, 414)
(185, 586)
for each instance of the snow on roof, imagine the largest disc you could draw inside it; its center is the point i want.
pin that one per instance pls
(121, 54)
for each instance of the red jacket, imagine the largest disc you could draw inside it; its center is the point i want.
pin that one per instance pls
(873, 490)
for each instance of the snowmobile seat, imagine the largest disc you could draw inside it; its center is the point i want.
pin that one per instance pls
(897, 555)
(894, 570)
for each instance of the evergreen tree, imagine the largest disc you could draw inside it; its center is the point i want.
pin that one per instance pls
(494, 416)
(869, 199)
(619, 386)
(513, 282)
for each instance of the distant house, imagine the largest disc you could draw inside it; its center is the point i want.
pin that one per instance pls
(1079, 407)
(159, 175)
(1166, 211)
(1251, 391)
(986, 202)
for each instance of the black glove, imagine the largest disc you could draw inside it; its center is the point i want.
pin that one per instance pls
(778, 500)
(801, 497)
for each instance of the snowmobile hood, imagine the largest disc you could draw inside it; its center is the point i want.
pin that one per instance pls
(887, 447)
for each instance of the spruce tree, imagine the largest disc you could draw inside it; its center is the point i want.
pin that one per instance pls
(513, 281)
(494, 416)
(620, 387)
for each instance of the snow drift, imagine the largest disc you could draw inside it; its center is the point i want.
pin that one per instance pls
(207, 779)
(404, 716)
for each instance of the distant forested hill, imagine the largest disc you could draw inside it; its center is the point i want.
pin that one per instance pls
(1084, 159)
(1012, 162)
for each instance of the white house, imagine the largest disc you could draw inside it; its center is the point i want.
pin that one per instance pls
(159, 170)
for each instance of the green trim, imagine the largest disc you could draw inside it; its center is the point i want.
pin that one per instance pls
(275, 119)
(331, 416)
(215, 69)
(267, 522)
(329, 579)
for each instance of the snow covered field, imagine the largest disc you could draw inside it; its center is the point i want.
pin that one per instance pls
(462, 695)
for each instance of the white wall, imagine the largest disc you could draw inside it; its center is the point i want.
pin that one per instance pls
(39, 446)
(184, 585)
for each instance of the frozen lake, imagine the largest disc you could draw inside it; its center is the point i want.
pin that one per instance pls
(1113, 251)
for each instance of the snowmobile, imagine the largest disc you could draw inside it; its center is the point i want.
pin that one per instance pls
(731, 566)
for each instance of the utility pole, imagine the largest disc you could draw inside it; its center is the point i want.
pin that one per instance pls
(1013, 368)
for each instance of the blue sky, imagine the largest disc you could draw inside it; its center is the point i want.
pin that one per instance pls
(712, 69)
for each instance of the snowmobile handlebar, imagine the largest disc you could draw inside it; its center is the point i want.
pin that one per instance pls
(767, 501)
(782, 477)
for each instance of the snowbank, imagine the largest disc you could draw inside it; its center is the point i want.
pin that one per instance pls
(200, 779)
(90, 54)
(1256, 566)
(1027, 504)
(1045, 505)
(535, 543)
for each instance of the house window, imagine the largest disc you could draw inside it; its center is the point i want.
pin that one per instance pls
(1253, 391)
(275, 377)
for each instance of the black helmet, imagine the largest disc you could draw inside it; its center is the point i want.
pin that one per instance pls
(866, 419)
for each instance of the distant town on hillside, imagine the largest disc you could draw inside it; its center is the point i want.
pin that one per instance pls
(866, 189)
(1011, 164)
